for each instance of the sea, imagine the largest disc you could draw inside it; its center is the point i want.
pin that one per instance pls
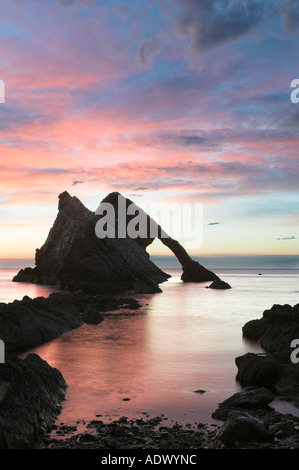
(173, 358)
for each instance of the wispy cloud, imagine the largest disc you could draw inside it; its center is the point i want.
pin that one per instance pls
(183, 99)
(149, 49)
(287, 238)
(209, 23)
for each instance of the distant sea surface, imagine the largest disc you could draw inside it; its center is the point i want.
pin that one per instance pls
(182, 340)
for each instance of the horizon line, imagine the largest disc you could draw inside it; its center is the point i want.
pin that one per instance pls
(223, 261)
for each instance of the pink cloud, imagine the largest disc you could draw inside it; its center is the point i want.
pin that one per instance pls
(166, 134)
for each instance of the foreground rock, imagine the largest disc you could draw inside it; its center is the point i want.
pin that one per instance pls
(275, 332)
(74, 256)
(240, 426)
(250, 398)
(258, 429)
(30, 399)
(259, 370)
(251, 422)
(127, 433)
(27, 323)
(265, 376)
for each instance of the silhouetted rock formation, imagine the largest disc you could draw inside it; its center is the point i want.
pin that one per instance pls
(192, 270)
(30, 322)
(27, 323)
(30, 399)
(251, 398)
(259, 370)
(74, 257)
(242, 427)
(275, 332)
(195, 272)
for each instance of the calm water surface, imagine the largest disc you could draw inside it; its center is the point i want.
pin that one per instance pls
(181, 340)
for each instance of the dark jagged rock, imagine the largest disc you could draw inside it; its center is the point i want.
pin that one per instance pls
(74, 257)
(251, 398)
(192, 270)
(275, 331)
(241, 426)
(27, 275)
(269, 370)
(30, 401)
(277, 328)
(219, 284)
(254, 429)
(27, 323)
(259, 370)
(195, 272)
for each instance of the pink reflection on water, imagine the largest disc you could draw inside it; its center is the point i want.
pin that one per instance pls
(157, 358)
(182, 340)
(11, 291)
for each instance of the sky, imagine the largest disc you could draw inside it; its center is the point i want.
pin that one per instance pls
(169, 102)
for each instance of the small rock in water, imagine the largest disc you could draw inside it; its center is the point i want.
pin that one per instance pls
(219, 284)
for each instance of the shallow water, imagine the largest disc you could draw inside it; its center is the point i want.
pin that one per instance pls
(182, 340)
(9, 291)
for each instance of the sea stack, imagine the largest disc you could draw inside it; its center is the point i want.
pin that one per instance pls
(74, 257)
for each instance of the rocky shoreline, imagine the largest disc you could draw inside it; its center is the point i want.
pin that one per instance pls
(32, 392)
(27, 323)
(246, 420)
(275, 331)
(275, 431)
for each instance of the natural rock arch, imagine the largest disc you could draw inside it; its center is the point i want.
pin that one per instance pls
(74, 257)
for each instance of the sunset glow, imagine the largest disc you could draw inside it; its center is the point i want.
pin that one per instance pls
(144, 99)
